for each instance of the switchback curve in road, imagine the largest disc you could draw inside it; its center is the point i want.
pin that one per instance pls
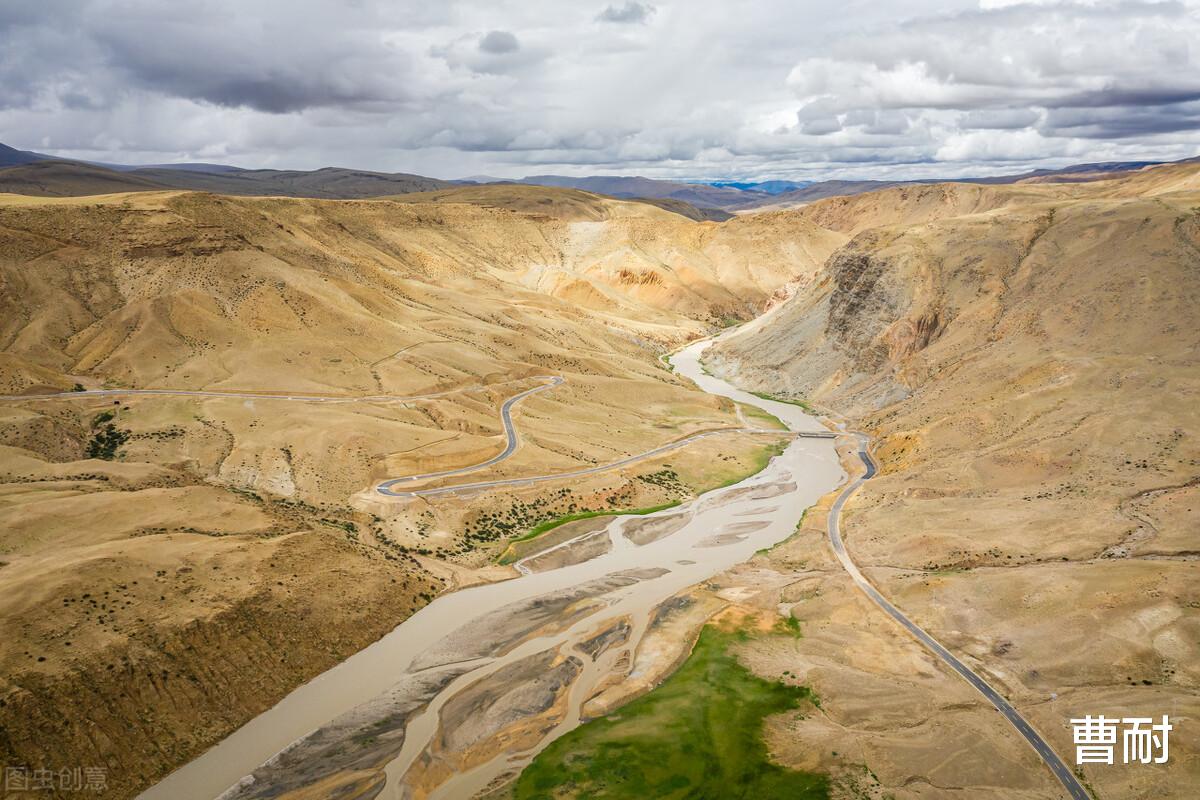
(1035, 740)
(385, 488)
(510, 446)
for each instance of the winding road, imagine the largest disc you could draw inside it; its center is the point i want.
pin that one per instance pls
(510, 431)
(510, 446)
(1044, 751)
(387, 487)
(350, 703)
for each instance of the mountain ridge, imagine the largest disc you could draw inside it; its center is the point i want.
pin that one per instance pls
(713, 200)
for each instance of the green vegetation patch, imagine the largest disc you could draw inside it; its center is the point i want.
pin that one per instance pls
(510, 555)
(698, 735)
(106, 441)
(789, 400)
(789, 626)
(764, 419)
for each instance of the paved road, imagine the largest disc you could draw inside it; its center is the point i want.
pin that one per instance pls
(1056, 765)
(384, 488)
(510, 431)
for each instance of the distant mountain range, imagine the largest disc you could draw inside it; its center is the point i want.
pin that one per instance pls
(698, 194)
(769, 187)
(731, 196)
(28, 172)
(11, 156)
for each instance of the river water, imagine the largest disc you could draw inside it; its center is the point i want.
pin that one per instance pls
(477, 682)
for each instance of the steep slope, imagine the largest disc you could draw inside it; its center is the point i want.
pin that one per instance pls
(652, 272)
(919, 203)
(219, 550)
(625, 260)
(1027, 365)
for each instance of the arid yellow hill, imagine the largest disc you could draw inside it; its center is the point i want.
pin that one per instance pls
(144, 287)
(1024, 356)
(1026, 360)
(224, 549)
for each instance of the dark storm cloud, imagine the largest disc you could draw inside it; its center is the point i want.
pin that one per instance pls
(1118, 123)
(1132, 96)
(630, 13)
(277, 60)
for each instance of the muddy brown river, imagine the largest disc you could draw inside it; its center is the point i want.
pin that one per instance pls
(465, 692)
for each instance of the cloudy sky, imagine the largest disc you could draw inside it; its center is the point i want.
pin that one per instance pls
(666, 88)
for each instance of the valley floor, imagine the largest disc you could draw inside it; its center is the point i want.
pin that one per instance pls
(172, 565)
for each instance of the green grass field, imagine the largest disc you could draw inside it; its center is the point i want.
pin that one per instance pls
(697, 735)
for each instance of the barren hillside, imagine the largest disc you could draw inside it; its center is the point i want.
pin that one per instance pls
(1026, 361)
(220, 550)
(1023, 355)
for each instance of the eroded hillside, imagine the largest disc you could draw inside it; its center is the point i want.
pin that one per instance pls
(1023, 355)
(202, 554)
(1026, 361)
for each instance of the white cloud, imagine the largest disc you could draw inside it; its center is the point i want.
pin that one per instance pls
(780, 88)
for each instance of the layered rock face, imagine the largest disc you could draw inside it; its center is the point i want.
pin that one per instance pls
(1026, 359)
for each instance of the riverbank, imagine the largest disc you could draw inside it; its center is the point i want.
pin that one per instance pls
(697, 735)
(739, 468)
(424, 677)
